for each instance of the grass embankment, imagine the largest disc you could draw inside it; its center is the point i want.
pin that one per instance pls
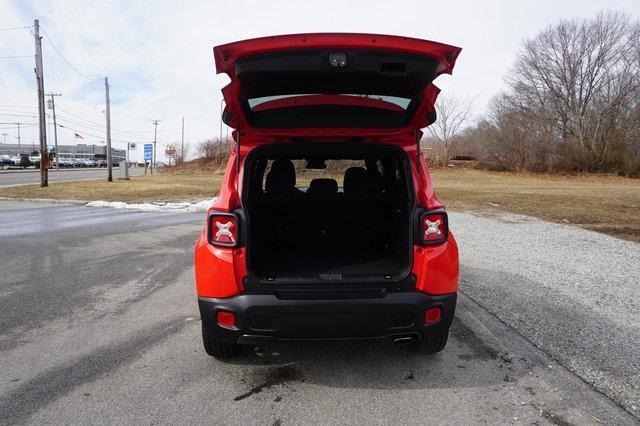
(601, 203)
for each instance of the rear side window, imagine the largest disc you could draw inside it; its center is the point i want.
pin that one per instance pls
(307, 89)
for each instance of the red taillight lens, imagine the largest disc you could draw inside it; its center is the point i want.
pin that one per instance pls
(434, 228)
(226, 319)
(223, 230)
(432, 315)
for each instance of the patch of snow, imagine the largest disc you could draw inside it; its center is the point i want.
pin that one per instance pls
(157, 206)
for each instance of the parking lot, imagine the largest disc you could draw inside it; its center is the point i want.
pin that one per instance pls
(100, 324)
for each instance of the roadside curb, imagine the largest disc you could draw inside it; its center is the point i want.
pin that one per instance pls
(70, 169)
(45, 200)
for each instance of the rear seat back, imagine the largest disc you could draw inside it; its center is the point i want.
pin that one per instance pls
(367, 204)
(323, 186)
(357, 180)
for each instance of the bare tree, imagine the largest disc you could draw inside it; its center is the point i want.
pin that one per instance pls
(575, 76)
(182, 153)
(453, 113)
(573, 99)
(215, 152)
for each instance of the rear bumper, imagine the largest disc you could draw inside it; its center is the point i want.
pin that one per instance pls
(261, 318)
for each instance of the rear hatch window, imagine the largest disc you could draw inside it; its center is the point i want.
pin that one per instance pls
(312, 89)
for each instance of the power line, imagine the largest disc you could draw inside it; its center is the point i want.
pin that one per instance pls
(13, 28)
(19, 110)
(65, 59)
(21, 124)
(118, 134)
(16, 56)
(19, 115)
(97, 136)
(15, 104)
(99, 126)
(79, 116)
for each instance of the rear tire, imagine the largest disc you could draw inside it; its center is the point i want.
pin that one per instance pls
(217, 348)
(433, 342)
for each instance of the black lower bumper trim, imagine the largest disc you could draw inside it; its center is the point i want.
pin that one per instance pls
(262, 318)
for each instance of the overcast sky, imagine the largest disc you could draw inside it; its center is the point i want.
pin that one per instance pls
(158, 54)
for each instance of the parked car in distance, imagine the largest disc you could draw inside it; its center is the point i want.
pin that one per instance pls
(5, 160)
(35, 161)
(73, 162)
(64, 162)
(364, 252)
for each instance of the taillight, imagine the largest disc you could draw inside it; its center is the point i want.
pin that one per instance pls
(434, 227)
(432, 315)
(226, 319)
(223, 229)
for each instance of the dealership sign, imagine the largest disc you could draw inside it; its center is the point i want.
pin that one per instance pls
(148, 151)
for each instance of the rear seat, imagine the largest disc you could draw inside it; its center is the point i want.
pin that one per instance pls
(323, 186)
(365, 198)
(322, 216)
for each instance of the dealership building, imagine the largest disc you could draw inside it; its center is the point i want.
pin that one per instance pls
(92, 152)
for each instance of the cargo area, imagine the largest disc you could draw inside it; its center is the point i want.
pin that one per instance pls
(334, 213)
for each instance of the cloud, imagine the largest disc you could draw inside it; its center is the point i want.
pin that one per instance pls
(158, 54)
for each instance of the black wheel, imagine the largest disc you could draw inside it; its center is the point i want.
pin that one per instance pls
(217, 348)
(433, 342)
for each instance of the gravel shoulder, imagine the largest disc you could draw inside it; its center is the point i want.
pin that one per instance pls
(573, 293)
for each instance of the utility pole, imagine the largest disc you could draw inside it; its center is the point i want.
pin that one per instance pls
(108, 118)
(155, 137)
(55, 126)
(19, 147)
(44, 156)
(182, 143)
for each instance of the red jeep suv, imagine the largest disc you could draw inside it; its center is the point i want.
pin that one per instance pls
(326, 226)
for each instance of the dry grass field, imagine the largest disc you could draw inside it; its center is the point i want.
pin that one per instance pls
(602, 203)
(157, 187)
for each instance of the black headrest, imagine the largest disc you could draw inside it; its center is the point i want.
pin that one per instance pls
(323, 186)
(359, 180)
(281, 177)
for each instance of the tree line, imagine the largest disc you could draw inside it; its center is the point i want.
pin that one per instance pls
(572, 103)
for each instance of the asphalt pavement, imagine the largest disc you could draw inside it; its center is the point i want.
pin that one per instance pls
(32, 176)
(99, 324)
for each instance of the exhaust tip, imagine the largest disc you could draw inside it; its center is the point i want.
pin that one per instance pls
(403, 340)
